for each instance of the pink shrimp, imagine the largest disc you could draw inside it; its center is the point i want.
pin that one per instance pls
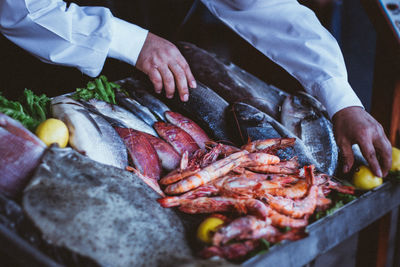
(224, 204)
(297, 208)
(209, 173)
(269, 145)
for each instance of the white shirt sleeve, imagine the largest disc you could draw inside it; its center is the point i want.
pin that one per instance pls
(81, 37)
(291, 36)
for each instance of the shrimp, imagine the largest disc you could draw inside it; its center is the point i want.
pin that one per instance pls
(248, 227)
(224, 204)
(283, 167)
(209, 173)
(297, 208)
(268, 145)
(231, 251)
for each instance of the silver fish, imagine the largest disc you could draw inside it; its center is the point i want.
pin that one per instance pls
(255, 125)
(140, 91)
(106, 214)
(136, 108)
(121, 115)
(90, 134)
(313, 128)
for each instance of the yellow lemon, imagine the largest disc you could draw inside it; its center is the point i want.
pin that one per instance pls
(53, 131)
(395, 159)
(207, 228)
(365, 179)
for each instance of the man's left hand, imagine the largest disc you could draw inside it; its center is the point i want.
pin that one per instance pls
(353, 125)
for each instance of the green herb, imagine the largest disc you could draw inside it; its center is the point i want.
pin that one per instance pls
(286, 229)
(33, 110)
(100, 89)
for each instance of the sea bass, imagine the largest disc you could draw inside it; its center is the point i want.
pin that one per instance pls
(208, 110)
(314, 129)
(124, 117)
(256, 125)
(231, 82)
(90, 134)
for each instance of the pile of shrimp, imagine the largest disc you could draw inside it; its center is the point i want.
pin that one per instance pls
(259, 194)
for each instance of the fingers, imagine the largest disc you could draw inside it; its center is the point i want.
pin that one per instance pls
(384, 151)
(347, 154)
(155, 78)
(369, 153)
(181, 81)
(168, 81)
(189, 76)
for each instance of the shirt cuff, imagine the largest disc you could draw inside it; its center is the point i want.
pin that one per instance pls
(127, 41)
(336, 94)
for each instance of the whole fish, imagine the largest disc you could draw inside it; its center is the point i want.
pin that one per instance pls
(208, 110)
(168, 156)
(137, 109)
(142, 153)
(231, 82)
(124, 118)
(188, 126)
(89, 133)
(106, 214)
(255, 125)
(20, 153)
(314, 129)
(180, 140)
(139, 90)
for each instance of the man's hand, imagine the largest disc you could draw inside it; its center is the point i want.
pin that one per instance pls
(165, 65)
(353, 125)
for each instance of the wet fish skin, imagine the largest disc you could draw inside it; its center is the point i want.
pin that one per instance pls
(231, 82)
(142, 153)
(255, 125)
(107, 214)
(208, 110)
(89, 133)
(137, 109)
(168, 156)
(121, 115)
(188, 126)
(140, 91)
(20, 154)
(180, 140)
(301, 117)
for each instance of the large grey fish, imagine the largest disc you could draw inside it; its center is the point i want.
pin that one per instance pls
(125, 118)
(139, 90)
(231, 82)
(314, 129)
(136, 108)
(255, 125)
(107, 214)
(20, 153)
(208, 110)
(90, 134)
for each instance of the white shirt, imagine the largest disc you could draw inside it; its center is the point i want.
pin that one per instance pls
(283, 30)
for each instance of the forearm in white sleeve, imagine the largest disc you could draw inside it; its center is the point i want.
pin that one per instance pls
(75, 36)
(291, 36)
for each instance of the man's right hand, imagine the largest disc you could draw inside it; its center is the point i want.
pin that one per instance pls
(165, 65)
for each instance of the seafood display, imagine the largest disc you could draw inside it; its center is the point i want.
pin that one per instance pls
(258, 157)
(259, 205)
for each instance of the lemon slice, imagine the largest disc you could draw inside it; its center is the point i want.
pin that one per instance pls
(53, 131)
(395, 159)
